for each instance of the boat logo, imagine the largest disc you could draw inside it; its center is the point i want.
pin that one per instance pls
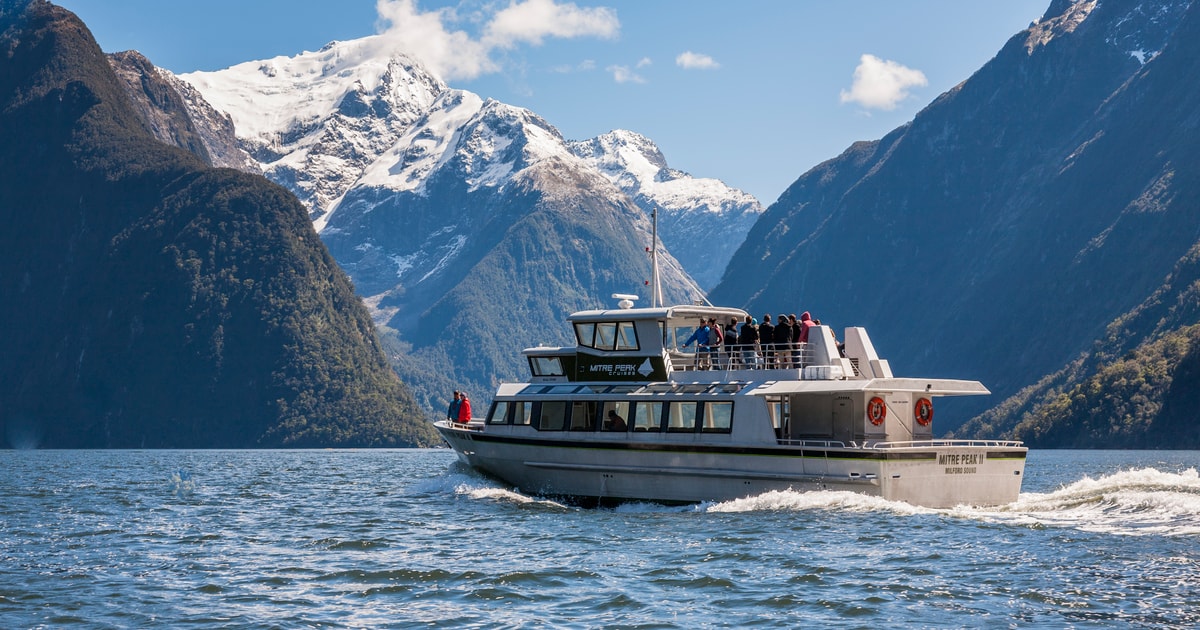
(646, 369)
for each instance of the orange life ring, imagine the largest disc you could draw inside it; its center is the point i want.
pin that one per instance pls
(923, 411)
(876, 411)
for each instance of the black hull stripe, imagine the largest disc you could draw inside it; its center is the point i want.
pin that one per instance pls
(779, 451)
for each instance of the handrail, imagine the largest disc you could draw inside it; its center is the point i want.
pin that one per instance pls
(945, 442)
(726, 357)
(817, 443)
(900, 445)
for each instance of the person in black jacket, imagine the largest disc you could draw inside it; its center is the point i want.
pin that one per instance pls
(747, 340)
(783, 343)
(452, 412)
(766, 338)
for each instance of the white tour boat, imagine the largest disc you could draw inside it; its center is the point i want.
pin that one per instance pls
(627, 414)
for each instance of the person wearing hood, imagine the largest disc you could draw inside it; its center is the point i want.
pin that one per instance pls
(806, 323)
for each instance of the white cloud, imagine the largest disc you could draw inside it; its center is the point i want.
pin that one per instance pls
(643, 62)
(695, 61)
(622, 74)
(882, 84)
(533, 20)
(455, 54)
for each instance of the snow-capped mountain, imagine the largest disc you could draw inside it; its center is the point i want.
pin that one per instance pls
(701, 220)
(317, 120)
(457, 217)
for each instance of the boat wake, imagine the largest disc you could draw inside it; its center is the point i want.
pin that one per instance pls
(1137, 502)
(467, 483)
(788, 500)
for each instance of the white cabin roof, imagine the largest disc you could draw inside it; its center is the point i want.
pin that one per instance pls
(931, 386)
(668, 312)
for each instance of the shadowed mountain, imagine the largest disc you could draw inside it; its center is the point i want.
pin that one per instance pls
(1001, 231)
(150, 300)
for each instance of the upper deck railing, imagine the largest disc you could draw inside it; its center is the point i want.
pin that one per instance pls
(730, 357)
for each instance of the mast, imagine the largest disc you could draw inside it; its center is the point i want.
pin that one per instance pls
(657, 288)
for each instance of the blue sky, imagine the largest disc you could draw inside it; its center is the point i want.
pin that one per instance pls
(754, 93)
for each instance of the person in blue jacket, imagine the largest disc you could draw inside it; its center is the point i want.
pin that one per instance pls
(700, 337)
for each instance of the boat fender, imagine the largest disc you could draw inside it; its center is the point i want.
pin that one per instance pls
(876, 411)
(923, 411)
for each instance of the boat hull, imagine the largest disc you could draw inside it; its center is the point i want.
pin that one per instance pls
(934, 475)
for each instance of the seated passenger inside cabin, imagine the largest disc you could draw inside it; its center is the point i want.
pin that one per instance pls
(614, 422)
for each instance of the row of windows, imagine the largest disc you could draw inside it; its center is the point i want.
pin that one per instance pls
(713, 416)
(607, 335)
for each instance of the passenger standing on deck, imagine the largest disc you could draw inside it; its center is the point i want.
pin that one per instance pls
(715, 339)
(783, 342)
(806, 324)
(747, 339)
(766, 337)
(464, 409)
(700, 337)
(731, 343)
(452, 412)
(795, 344)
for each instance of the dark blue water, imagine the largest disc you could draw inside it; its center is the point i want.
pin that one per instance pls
(353, 539)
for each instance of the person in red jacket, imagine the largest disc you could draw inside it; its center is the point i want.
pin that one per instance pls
(464, 409)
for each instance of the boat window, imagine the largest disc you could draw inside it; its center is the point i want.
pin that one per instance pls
(593, 389)
(499, 413)
(584, 332)
(777, 410)
(626, 336)
(562, 389)
(718, 417)
(680, 335)
(647, 416)
(519, 412)
(606, 335)
(552, 415)
(682, 416)
(546, 366)
(535, 389)
(583, 416)
(623, 389)
(661, 388)
(615, 416)
(726, 388)
(692, 389)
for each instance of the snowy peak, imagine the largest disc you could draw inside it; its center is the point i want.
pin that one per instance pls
(481, 142)
(635, 164)
(280, 97)
(626, 157)
(701, 220)
(317, 120)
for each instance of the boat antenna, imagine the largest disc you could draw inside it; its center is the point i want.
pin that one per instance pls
(657, 288)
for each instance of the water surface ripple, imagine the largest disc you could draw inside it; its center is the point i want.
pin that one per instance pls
(355, 539)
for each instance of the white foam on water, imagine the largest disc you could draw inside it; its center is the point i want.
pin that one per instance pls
(1137, 502)
(181, 484)
(474, 486)
(790, 500)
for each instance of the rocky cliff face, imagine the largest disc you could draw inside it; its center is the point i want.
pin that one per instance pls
(1001, 231)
